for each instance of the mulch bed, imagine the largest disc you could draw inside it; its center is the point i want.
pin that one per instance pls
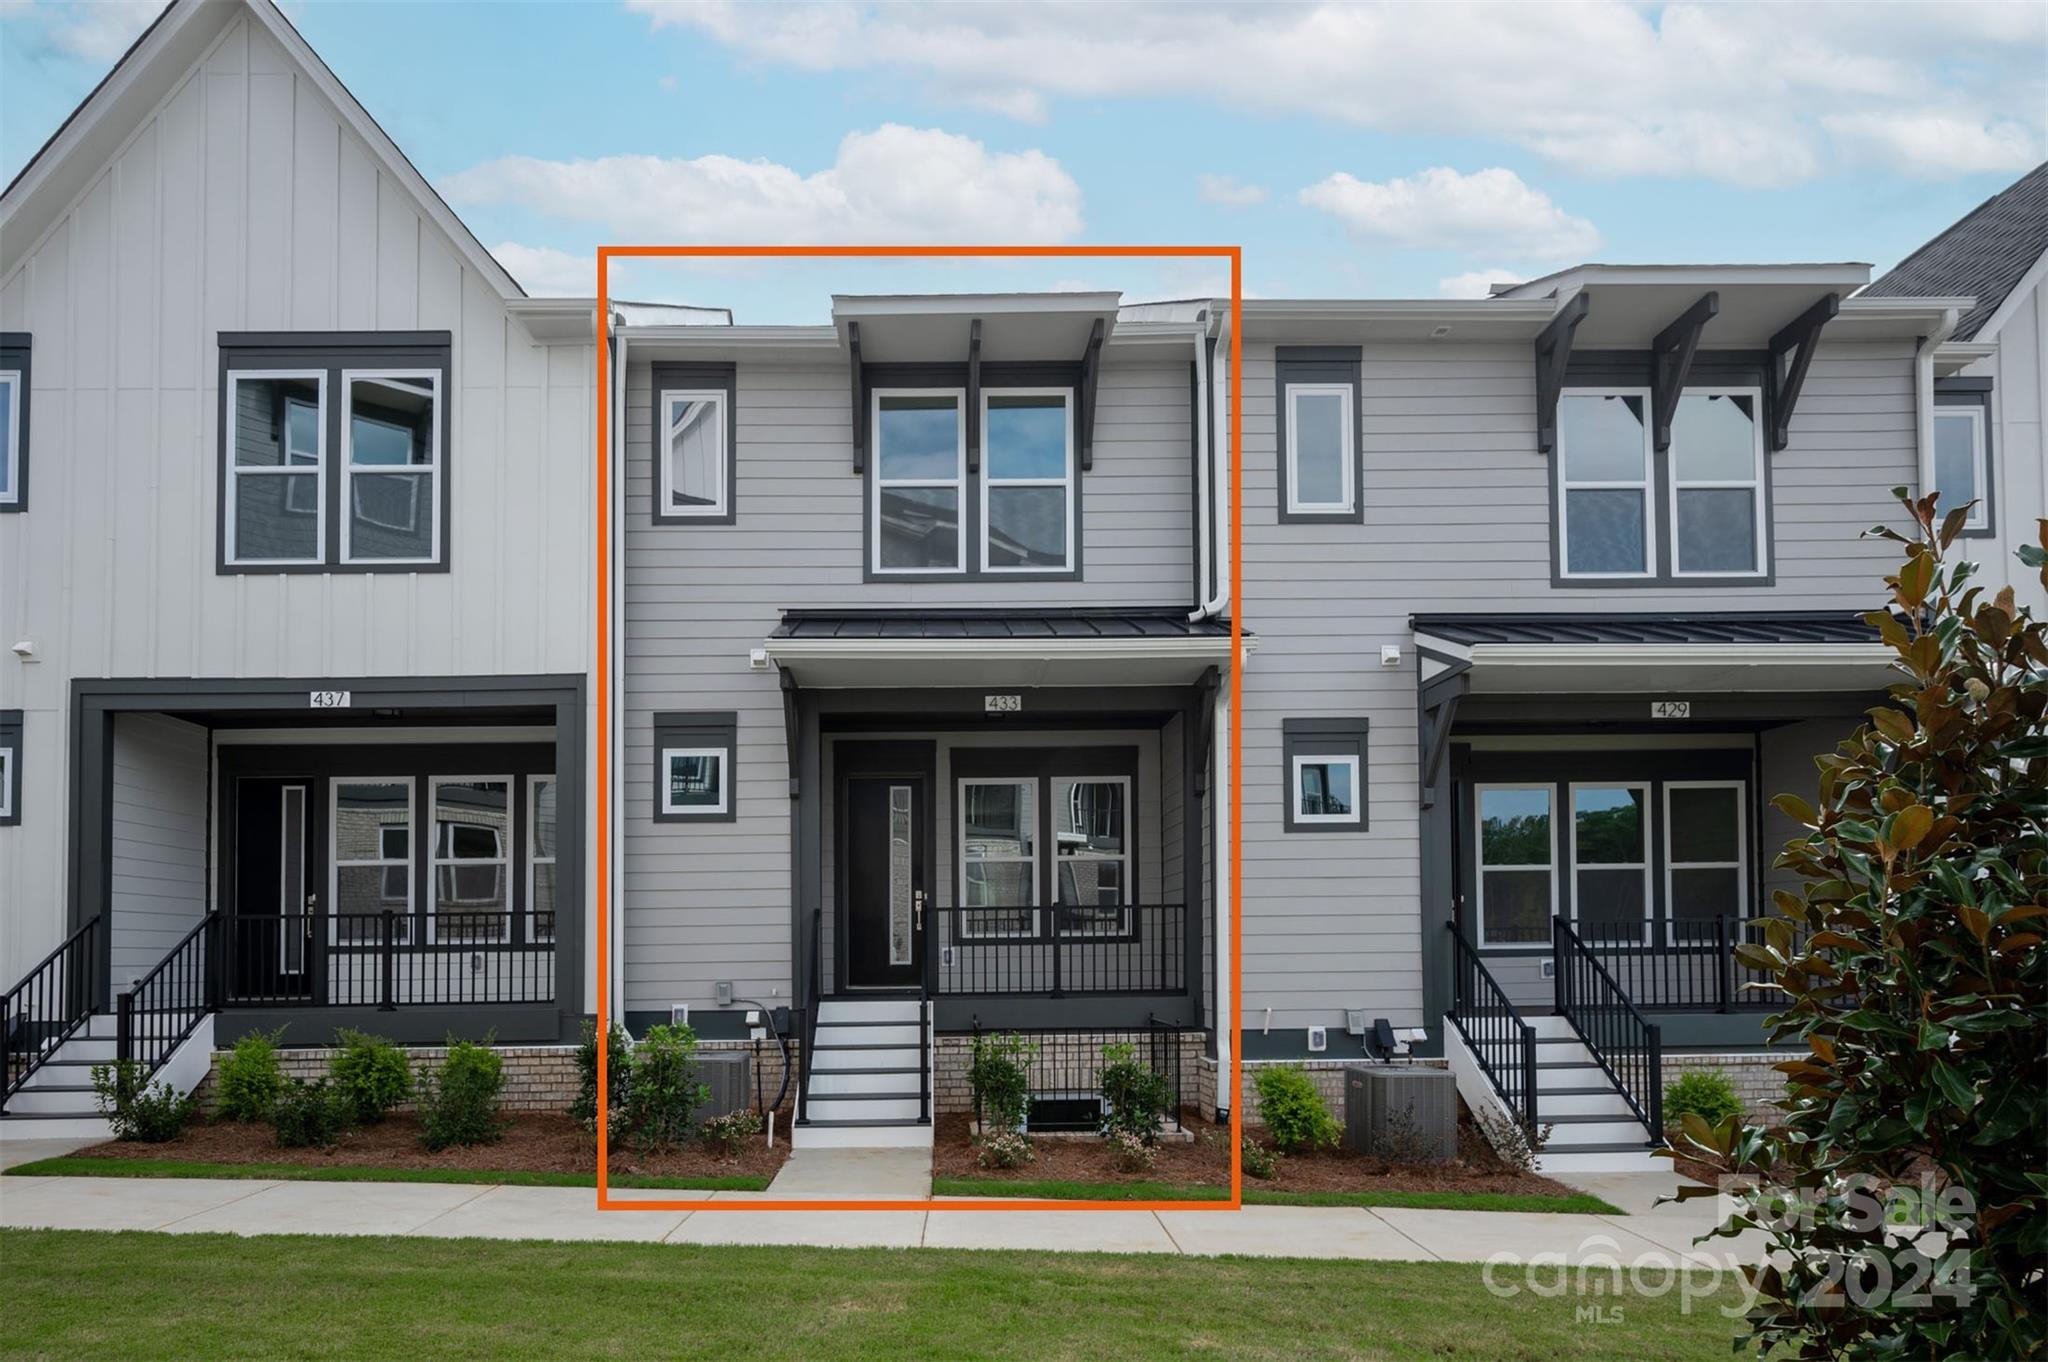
(1477, 1168)
(538, 1142)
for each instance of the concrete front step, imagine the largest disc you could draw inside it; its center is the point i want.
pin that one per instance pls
(862, 1107)
(824, 1135)
(842, 1082)
(48, 1127)
(1572, 1132)
(66, 1100)
(826, 1059)
(1636, 1158)
(1552, 1104)
(901, 1010)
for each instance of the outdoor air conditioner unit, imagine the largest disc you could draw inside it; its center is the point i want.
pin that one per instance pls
(730, 1076)
(1404, 1112)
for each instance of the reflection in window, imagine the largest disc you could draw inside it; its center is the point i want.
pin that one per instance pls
(693, 457)
(1610, 859)
(471, 854)
(1517, 888)
(1704, 856)
(392, 468)
(372, 856)
(1092, 853)
(540, 857)
(1961, 463)
(1717, 483)
(275, 486)
(1603, 445)
(998, 857)
(920, 471)
(1326, 789)
(1027, 482)
(695, 781)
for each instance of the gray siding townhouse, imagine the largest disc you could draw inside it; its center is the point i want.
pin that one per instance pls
(296, 549)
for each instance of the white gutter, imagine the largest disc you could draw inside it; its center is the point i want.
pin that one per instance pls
(1214, 648)
(1923, 392)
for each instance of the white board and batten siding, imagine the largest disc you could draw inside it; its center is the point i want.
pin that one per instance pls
(2018, 371)
(245, 202)
(1457, 518)
(712, 902)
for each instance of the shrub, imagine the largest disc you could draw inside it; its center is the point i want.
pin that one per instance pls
(1259, 1161)
(728, 1133)
(1004, 1149)
(1000, 1075)
(458, 1100)
(1293, 1110)
(151, 1114)
(250, 1078)
(1706, 1093)
(1134, 1098)
(618, 1078)
(1914, 962)
(1132, 1152)
(662, 1101)
(371, 1076)
(310, 1114)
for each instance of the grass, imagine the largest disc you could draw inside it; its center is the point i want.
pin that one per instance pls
(79, 1294)
(75, 1167)
(1579, 1203)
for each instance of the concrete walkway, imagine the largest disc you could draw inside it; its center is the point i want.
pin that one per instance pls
(1661, 1237)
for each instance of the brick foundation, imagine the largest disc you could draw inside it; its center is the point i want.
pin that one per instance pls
(952, 1092)
(1756, 1082)
(1327, 1074)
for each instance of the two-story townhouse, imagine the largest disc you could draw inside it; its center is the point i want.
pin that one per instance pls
(296, 550)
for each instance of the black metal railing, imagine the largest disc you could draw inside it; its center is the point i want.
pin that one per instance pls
(386, 960)
(808, 1025)
(49, 1004)
(1674, 964)
(1500, 1041)
(1060, 951)
(1625, 1044)
(1064, 1071)
(165, 1006)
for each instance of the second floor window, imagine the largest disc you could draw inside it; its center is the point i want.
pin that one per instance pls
(1962, 452)
(14, 373)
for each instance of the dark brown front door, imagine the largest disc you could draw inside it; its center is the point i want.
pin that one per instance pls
(885, 880)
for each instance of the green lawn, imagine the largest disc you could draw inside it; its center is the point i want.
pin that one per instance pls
(73, 1167)
(1578, 1204)
(75, 1294)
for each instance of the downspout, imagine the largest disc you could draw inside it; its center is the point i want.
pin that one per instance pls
(1923, 393)
(615, 955)
(1201, 464)
(1216, 529)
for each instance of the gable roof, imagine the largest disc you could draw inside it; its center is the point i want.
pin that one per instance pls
(1984, 256)
(147, 74)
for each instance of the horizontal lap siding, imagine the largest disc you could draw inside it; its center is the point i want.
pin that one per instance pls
(1457, 518)
(711, 903)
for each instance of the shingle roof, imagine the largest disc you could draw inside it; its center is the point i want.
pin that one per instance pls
(989, 623)
(1789, 627)
(1984, 256)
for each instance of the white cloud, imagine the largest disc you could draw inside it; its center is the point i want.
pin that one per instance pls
(895, 184)
(1477, 283)
(96, 31)
(546, 272)
(1490, 210)
(1228, 191)
(1748, 93)
(1933, 145)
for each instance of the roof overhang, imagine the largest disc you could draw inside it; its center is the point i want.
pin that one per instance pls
(1865, 319)
(1309, 321)
(556, 321)
(1633, 304)
(998, 664)
(927, 328)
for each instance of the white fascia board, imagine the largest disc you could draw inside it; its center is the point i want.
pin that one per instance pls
(1896, 316)
(860, 306)
(1952, 357)
(1534, 655)
(1837, 274)
(1211, 648)
(1262, 310)
(739, 337)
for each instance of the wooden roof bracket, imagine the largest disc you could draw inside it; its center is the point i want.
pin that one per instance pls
(1553, 353)
(1091, 361)
(974, 396)
(1671, 360)
(1786, 377)
(860, 405)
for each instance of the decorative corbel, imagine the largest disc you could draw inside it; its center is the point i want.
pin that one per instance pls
(1787, 377)
(860, 405)
(1091, 360)
(1553, 353)
(974, 396)
(1671, 360)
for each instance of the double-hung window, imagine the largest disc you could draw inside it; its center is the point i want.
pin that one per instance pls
(14, 395)
(471, 858)
(1092, 853)
(920, 480)
(1717, 483)
(1604, 484)
(1611, 860)
(334, 452)
(1961, 466)
(1516, 893)
(1027, 483)
(998, 858)
(1706, 858)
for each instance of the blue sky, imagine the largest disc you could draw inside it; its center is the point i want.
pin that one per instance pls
(1372, 150)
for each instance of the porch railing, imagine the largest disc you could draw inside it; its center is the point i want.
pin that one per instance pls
(165, 1006)
(49, 1004)
(1064, 1071)
(385, 960)
(1500, 1041)
(1689, 965)
(1625, 1044)
(807, 1024)
(1061, 951)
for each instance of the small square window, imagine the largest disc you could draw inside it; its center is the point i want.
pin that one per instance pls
(1325, 773)
(1326, 790)
(693, 767)
(14, 398)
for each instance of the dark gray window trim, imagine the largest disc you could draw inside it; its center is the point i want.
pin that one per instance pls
(1042, 765)
(1976, 392)
(333, 351)
(714, 728)
(1634, 369)
(995, 376)
(1319, 364)
(1325, 738)
(10, 743)
(702, 377)
(15, 347)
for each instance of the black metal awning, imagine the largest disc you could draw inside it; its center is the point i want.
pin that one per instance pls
(1078, 624)
(1786, 627)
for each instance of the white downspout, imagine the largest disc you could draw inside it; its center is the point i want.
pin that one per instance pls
(615, 955)
(1923, 394)
(1216, 531)
(1226, 907)
(1205, 527)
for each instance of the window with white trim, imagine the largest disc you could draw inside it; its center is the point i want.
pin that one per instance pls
(1962, 462)
(1706, 856)
(277, 493)
(1604, 484)
(1027, 480)
(391, 466)
(1717, 483)
(472, 852)
(1092, 853)
(1324, 770)
(541, 830)
(693, 454)
(1326, 789)
(10, 767)
(1516, 857)
(920, 480)
(13, 429)
(696, 781)
(1322, 458)
(694, 767)
(370, 858)
(1611, 899)
(998, 857)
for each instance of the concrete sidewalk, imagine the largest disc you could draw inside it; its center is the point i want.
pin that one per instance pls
(1660, 1237)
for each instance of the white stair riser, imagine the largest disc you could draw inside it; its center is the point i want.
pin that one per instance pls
(1547, 1027)
(1594, 1132)
(80, 1128)
(860, 1009)
(825, 1083)
(58, 1075)
(98, 1051)
(863, 1108)
(1575, 1052)
(41, 1102)
(101, 1026)
(1579, 1076)
(1617, 1161)
(827, 1060)
(861, 1137)
(867, 1035)
(1584, 1104)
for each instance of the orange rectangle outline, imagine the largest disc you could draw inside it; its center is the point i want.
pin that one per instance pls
(605, 255)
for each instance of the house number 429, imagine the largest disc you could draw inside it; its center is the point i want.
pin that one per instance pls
(1670, 709)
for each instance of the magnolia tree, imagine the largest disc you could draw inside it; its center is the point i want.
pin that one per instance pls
(1904, 1194)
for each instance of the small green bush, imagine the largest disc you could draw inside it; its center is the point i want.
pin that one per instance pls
(458, 1100)
(1131, 1153)
(310, 1115)
(151, 1114)
(1134, 1098)
(666, 1091)
(250, 1078)
(618, 1078)
(1000, 1076)
(729, 1133)
(1704, 1092)
(1259, 1161)
(1293, 1110)
(1003, 1149)
(370, 1075)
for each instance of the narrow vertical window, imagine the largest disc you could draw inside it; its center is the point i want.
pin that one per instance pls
(1962, 463)
(1604, 484)
(1322, 458)
(1516, 892)
(541, 831)
(920, 478)
(902, 878)
(998, 858)
(1706, 864)
(1027, 491)
(1717, 483)
(10, 767)
(391, 467)
(10, 438)
(472, 853)
(276, 496)
(371, 857)
(692, 441)
(1092, 853)
(1611, 862)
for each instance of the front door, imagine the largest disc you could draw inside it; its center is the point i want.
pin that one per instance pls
(885, 881)
(274, 946)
